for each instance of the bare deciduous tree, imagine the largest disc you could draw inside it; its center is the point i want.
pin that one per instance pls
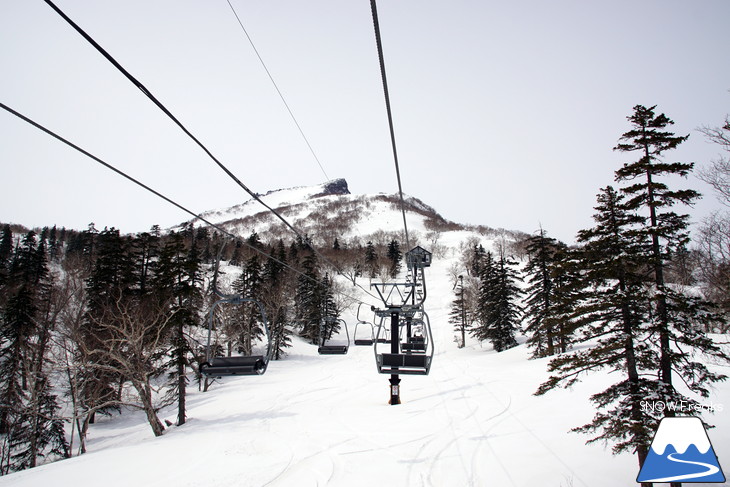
(135, 336)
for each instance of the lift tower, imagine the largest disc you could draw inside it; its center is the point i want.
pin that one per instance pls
(411, 352)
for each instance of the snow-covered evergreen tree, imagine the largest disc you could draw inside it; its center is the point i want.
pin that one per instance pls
(543, 330)
(458, 312)
(308, 299)
(276, 299)
(395, 257)
(614, 315)
(648, 190)
(498, 309)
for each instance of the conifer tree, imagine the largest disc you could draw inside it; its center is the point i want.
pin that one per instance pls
(330, 312)
(109, 286)
(17, 329)
(176, 285)
(249, 285)
(540, 305)
(275, 299)
(6, 250)
(478, 254)
(371, 259)
(614, 313)
(667, 230)
(499, 313)
(457, 315)
(6, 245)
(395, 256)
(567, 287)
(308, 299)
(146, 250)
(29, 415)
(53, 244)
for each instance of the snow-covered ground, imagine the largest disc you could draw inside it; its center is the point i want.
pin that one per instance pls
(325, 420)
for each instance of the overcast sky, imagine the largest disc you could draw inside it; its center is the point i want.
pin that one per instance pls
(505, 113)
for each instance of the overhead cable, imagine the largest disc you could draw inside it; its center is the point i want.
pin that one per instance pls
(167, 112)
(378, 41)
(276, 87)
(162, 196)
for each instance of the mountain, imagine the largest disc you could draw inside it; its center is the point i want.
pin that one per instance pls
(329, 210)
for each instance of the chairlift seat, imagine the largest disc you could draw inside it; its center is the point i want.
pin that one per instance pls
(364, 342)
(332, 350)
(413, 347)
(224, 366)
(414, 344)
(403, 363)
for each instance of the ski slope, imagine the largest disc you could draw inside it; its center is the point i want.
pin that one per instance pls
(324, 421)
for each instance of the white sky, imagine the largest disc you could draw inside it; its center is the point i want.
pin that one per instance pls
(505, 113)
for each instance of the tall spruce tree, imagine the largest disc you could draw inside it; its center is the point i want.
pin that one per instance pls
(330, 311)
(613, 312)
(177, 285)
(275, 298)
(458, 313)
(249, 285)
(308, 299)
(371, 259)
(498, 308)
(29, 412)
(540, 303)
(647, 191)
(395, 257)
(6, 250)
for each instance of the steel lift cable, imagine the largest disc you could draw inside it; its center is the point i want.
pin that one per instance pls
(160, 195)
(167, 112)
(376, 26)
(276, 87)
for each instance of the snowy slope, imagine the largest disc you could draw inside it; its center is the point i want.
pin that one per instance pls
(324, 420)
(326, 211)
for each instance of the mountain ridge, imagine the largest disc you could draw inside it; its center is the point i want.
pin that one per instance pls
(329, 210)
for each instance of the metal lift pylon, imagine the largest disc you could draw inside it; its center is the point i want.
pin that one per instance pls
(403, 301)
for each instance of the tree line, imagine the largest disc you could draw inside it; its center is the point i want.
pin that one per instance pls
(93, 321)
(630, 289)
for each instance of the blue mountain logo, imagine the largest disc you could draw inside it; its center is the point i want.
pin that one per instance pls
(681, 452)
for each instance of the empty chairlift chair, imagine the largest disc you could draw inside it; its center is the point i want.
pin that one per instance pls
(237, 365)
(364, 338)
(414, 356)
(325, 329)
(417, 343)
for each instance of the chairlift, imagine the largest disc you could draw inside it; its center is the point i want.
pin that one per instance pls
(238, 365)
(414, 356)
(385, 338)
(417, 340)
(363, 339)
(332, 349)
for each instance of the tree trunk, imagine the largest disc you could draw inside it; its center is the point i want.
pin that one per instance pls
(665, 362)
(181, 378)
(145, 395)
